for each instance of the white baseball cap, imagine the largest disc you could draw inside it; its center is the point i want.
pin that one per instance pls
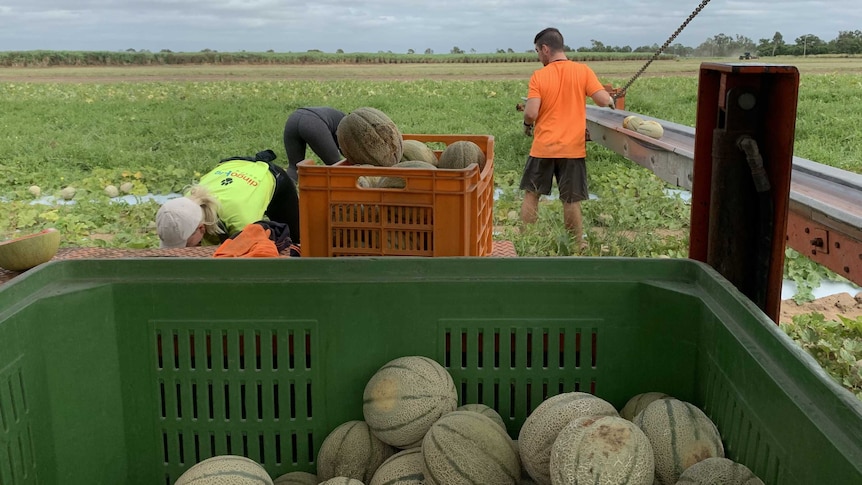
(176, 220)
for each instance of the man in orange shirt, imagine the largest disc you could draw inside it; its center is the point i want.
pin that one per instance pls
(555, 114)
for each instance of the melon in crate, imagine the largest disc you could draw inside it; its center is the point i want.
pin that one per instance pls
(639, 402)
(401, 182)
(417, 150)
(342, 481)
(350, 450)
(369, 136)
(461, 154)
(296, 478)
(486, 411)
(402, 468)
(233, 469)
(718, 471)
(542, 426)
(405, 397)
(680, 434)
(602, 450)
(465, 447)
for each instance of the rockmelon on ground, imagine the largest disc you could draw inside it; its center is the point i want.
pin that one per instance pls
(639, 402)
(233, 469)
(602, 450)
(542, 426)
(465, 447)
(368, 135)
(718, 471)
(461, 154)
(417, 150)
(296, 478)
(680, 434)
(405, 397)
(402, 468)
(351, 450)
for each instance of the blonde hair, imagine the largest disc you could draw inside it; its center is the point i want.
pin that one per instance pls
(210, 207)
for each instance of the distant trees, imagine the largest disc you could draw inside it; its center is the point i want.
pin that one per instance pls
(809, 44)
(456, 50)
(723, 45)
(429, 51)
(847, 42)
(411, 51)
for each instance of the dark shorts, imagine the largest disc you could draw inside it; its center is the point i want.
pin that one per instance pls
(571, 175)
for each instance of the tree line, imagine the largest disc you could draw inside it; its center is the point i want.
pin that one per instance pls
(722, 45)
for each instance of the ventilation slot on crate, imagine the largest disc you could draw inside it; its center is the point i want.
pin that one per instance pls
(744, 440)
(229, 388)
(392, 229)
(513, 366)
(17, 462)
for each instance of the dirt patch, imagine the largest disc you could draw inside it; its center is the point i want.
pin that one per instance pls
(830, 306)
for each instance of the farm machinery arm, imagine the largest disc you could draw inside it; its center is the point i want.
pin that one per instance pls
(817, 209)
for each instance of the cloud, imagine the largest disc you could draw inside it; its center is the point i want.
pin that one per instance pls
(483, 25)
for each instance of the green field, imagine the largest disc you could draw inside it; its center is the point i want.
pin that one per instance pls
(160, 127)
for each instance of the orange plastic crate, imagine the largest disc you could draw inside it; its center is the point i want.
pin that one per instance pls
(437, 213)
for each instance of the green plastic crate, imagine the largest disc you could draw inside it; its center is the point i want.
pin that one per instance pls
(130, 371)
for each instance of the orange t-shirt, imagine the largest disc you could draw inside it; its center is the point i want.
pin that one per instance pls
(563, 87)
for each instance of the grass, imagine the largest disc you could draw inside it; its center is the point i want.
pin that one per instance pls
(90, 127)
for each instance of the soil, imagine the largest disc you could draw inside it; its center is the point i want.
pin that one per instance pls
(831, 306)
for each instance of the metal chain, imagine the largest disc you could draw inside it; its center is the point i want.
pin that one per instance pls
(622, 92)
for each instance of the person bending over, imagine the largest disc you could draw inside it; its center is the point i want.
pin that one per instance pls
(237, 192)
(312, 127)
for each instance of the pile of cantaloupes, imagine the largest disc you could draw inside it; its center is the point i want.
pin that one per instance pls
(414, 433)
(368, 137)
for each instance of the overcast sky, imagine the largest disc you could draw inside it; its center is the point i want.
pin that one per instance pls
(399, 25)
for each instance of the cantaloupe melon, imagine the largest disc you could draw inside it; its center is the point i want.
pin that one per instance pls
(465, 447)
(541, 427)
(718, 471)
(405, 397)
(402, 468)
(367, 135)
(224, 469)
(68, 193)
(416, 150)
(25, 252)
(461, 154)
(401, 182)
(296, 478)
(342, 481)
(350, 450)
(680, 434)
(650, 128)
(112, 191)
(639, 402)
(631, 122)
(486, 411)
(602, 450)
